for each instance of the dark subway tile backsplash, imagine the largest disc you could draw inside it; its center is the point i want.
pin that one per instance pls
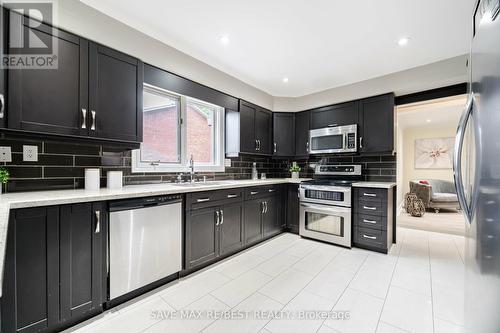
(61, 165)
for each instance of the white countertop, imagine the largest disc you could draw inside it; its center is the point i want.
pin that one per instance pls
(386, 185)
(48, 198)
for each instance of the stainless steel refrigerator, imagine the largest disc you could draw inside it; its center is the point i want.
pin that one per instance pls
(477, 172)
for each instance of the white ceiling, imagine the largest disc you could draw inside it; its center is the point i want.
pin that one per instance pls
(445, 112)
(317, 44)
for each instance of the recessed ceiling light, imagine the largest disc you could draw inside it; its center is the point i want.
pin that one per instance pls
(428, 120)
(285, 80)
(404, 41)
(224, 40)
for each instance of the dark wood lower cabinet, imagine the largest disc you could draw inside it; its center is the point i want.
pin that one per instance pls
(253, 220)
(82, 253)
(54, 267)
(292, 208)
(202, 236)
(30, 300)
(212, 232)
(231, 228)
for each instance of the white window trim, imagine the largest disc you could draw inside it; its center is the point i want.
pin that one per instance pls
(219, 141)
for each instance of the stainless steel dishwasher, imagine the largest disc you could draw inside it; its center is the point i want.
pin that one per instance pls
(145, 242)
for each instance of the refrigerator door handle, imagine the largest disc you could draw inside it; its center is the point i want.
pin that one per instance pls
(457, 158)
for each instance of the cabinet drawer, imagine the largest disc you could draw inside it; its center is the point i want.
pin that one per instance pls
(371, 237)
(371, 194)
(209, 198)
(375, 208)
(370, 221)
(260, 191)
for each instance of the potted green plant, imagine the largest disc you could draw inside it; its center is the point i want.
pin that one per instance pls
(4, 177)
(295, 169)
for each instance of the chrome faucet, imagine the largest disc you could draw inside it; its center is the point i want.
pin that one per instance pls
(191, 168)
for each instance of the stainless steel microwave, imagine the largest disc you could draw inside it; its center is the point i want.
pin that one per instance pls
(339, 139)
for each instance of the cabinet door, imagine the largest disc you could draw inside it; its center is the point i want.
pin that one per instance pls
(30, 300)
(376, 124)
(335, 115)
(253, 220)
(231, 228)
(263, 130)
(284, 134)
(202, 236)
(115, 96)
(51, 100)
(302, 122)
(3, 113)
(82, 233)
(247, 128)
(271, 221)
(292, 208)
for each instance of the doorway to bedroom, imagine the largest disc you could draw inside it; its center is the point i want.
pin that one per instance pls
(427, 198)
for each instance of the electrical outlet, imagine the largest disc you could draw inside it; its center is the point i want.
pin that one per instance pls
(227, 162)
(5, 154)
(30, 153)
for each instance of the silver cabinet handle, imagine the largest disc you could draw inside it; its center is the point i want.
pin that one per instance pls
(217, 217)
(369, 221)
(271, 190)
(97, 222)
(369, 195)
(333, 125)
(369, 208)
(230, 196)
(361, 142)
(307, 146)
(262, 207)
(2, 107)
(254, 192)
(93, 120)
(221, 216)
(265, 204)
(84, 118)
(259, 144)
(369, 237)
(203, 200)
(256, 144)
(275, 147)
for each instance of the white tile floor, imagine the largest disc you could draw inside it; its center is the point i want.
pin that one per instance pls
(418, 287)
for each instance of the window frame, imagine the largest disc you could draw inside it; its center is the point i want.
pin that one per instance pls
(218, 134)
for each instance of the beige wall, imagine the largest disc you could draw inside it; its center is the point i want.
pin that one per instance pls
(85, 21)
(409, 172)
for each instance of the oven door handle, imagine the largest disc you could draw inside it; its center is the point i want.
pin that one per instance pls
(324, 208)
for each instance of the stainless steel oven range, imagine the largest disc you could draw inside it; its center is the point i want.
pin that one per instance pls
(325, 204)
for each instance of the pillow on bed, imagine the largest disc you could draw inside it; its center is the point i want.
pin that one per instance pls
(424, 182)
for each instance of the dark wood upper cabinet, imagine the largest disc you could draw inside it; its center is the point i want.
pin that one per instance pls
(284, 134)
(51, 101)
(115, 98)
(376, 124)
(302, 122)
(248, 143)
(335, 115)
(264, 130)
(82, 258)
(255, 130)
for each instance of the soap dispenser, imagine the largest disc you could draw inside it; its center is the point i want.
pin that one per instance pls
(255, 174)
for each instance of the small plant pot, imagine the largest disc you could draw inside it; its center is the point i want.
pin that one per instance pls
(295, 175)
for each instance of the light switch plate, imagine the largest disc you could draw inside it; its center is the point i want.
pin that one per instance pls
(227, 162)
(5, 154)
(30, 153)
